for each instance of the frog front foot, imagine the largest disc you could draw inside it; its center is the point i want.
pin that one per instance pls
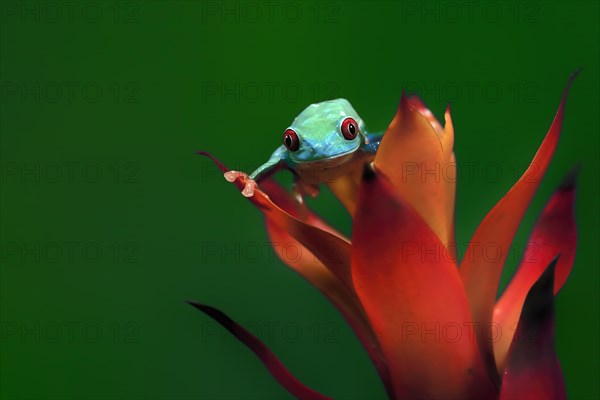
(302, 188)
(250, 184)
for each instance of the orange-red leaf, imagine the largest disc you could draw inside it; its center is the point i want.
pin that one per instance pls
(481, 274)
(275, 367)
(413, 296)
(554, 233)
(416, 155)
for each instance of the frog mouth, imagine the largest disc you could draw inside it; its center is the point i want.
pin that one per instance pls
(329, 162)
(336, 160)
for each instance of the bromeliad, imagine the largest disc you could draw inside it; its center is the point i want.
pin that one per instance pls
(399, 275)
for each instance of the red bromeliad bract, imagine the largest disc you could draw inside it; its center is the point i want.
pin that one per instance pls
(400, 276)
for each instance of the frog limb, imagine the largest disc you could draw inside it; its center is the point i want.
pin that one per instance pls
(275, 162)
(372, 141)
(302, 189)
(248, 190)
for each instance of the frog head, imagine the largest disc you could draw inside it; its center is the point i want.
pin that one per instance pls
(324, 131)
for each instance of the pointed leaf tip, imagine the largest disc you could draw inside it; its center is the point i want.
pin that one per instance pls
(368, 173)
(574, 74)
(214, 159)
(570, 81)
(542, 289)
(569, 181)
(403, 100)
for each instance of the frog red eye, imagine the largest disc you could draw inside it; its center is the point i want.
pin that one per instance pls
(349, 128)
(290, 140)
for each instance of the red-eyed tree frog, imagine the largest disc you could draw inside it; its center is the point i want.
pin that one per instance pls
(323, 144)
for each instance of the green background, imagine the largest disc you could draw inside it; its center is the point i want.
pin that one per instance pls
(154, 81)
